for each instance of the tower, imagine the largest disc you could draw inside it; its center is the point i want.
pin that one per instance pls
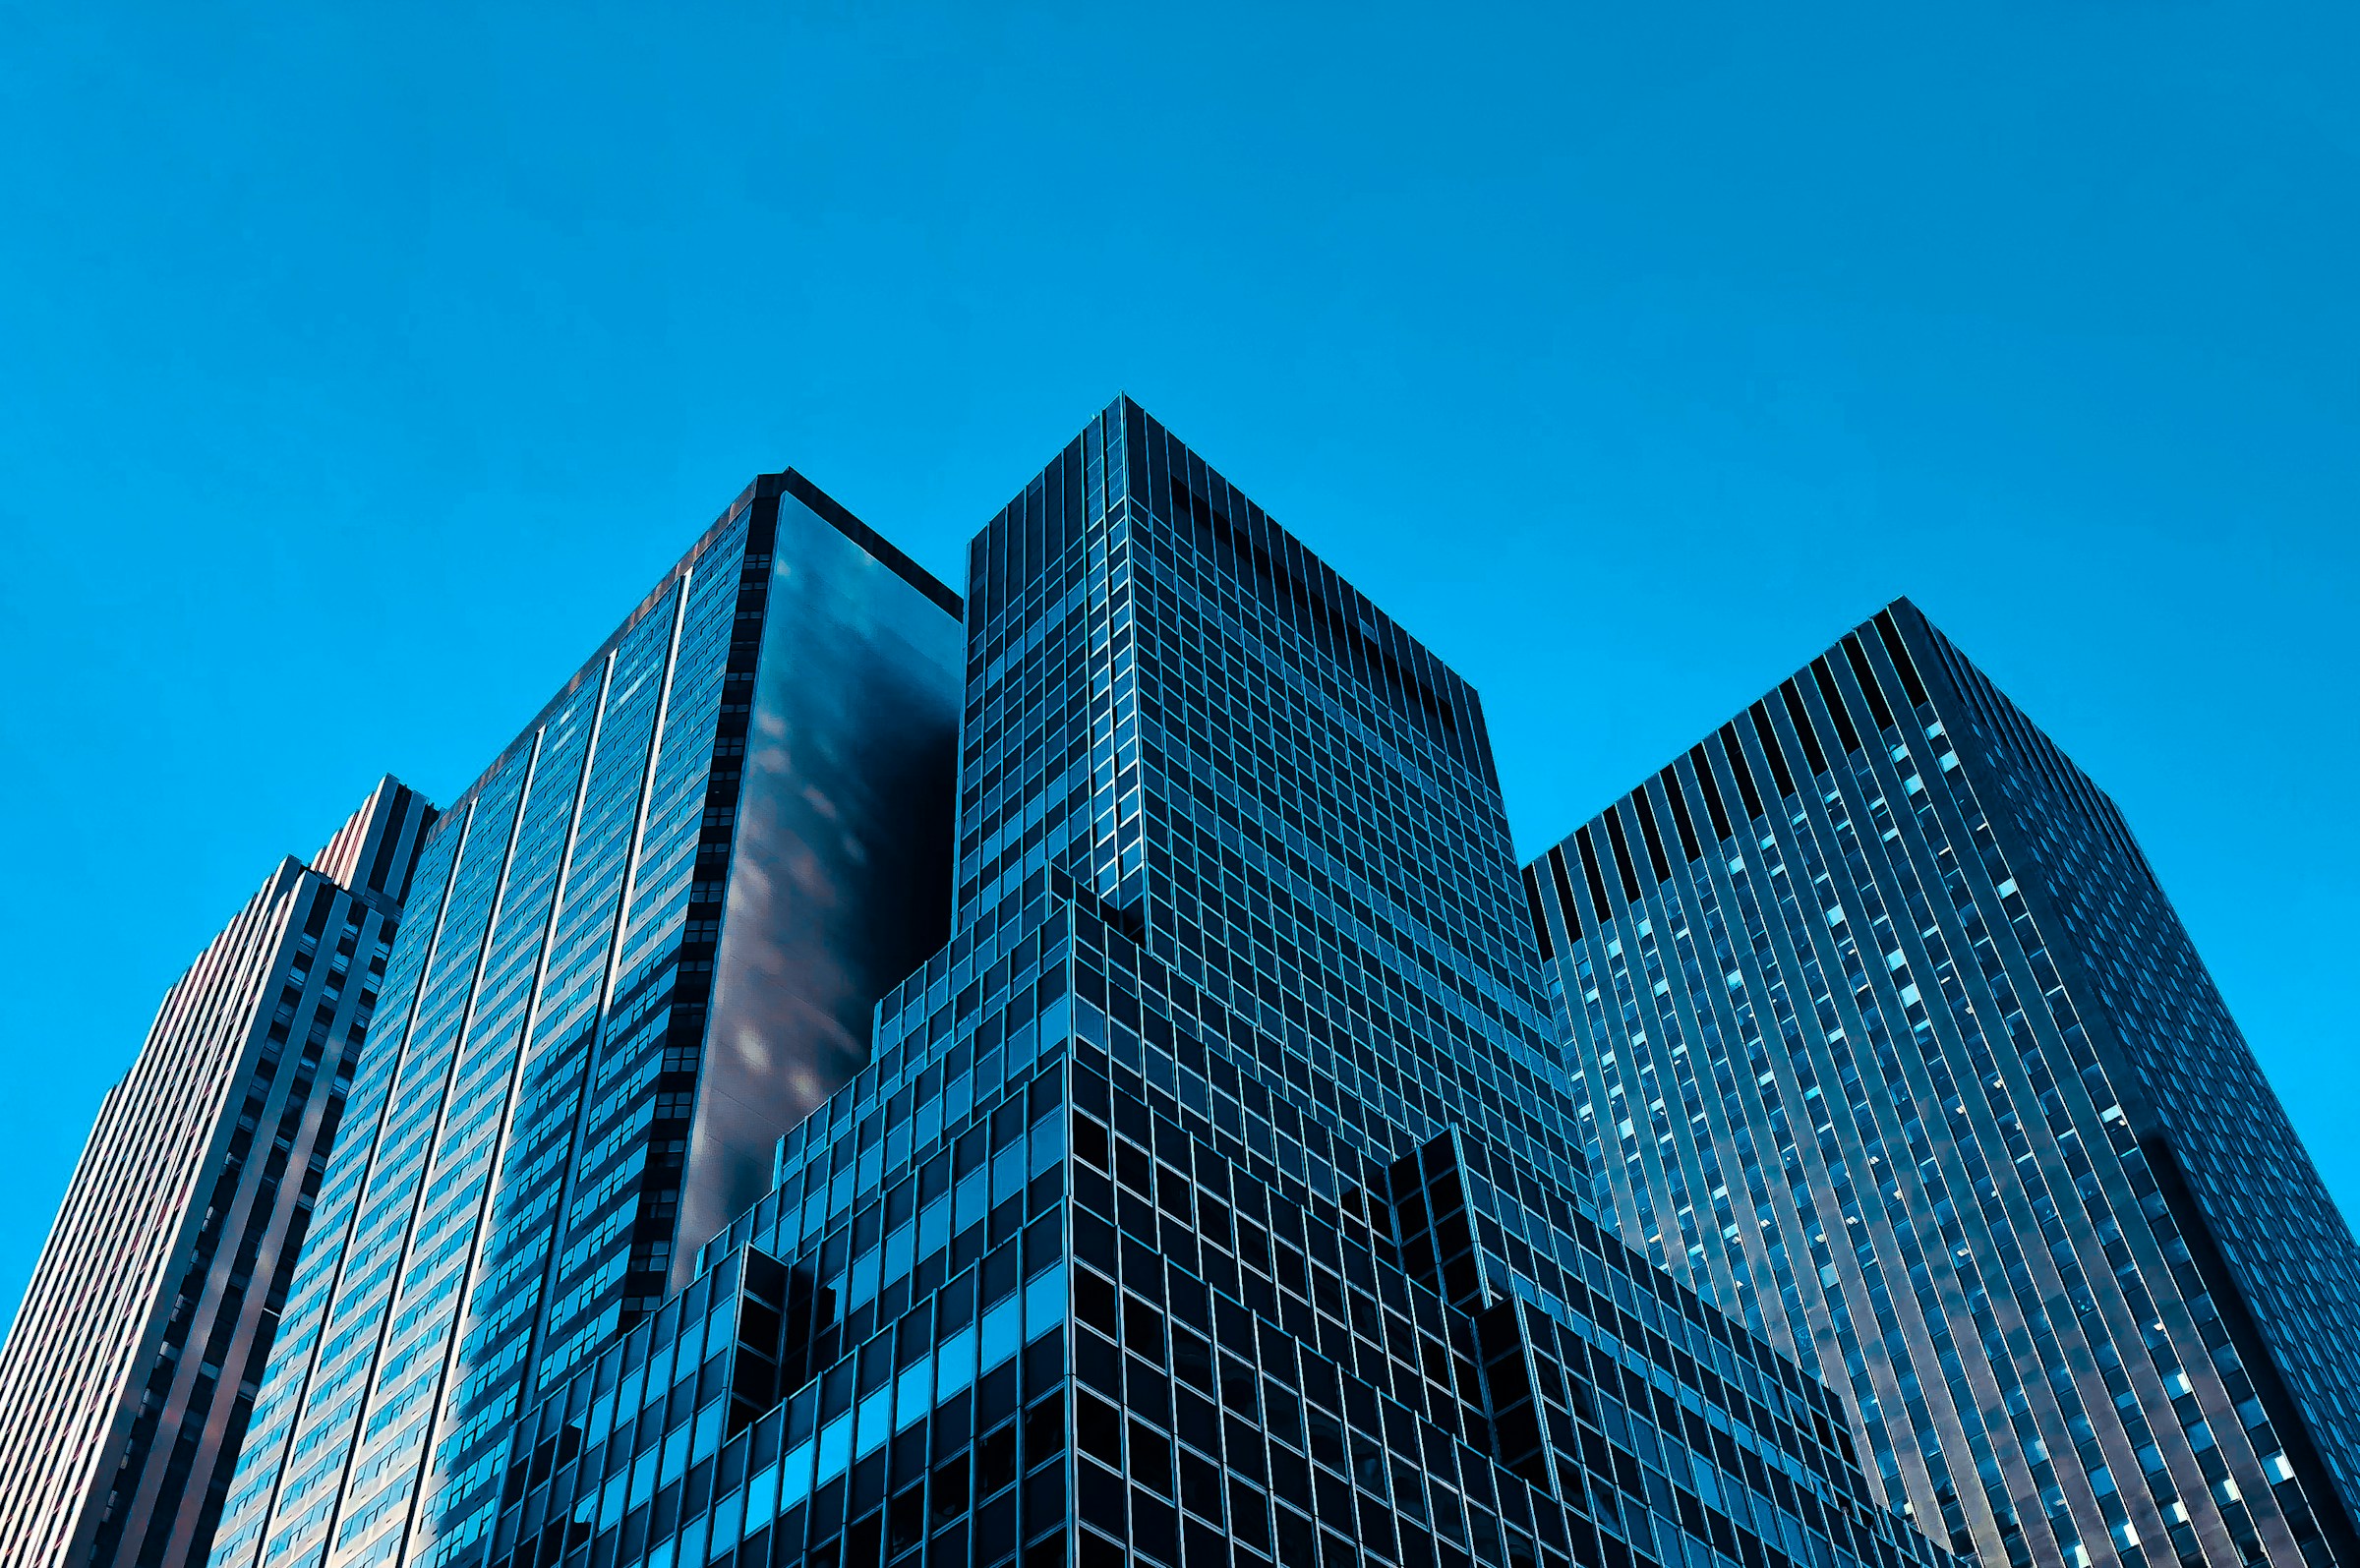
(643, 943)
(1891, 1043)
(1211, 1195)
(130, 1370)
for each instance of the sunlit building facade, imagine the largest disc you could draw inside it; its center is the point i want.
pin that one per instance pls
(1889, 1043)
(1214, 1196)
(132, 1367)
(642, 947)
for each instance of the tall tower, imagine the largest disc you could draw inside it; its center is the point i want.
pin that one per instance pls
(643, 945)
(1210, 1197)
(130, 1369)
(1890, 1042)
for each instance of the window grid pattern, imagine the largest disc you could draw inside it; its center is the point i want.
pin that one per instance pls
(529, 1108)
(2210, 1121)
(1838, 1080)
(543, 1081)
(1109, 1253)
(130, 1374)
(298, 1351)
(1252, 1368)
(579, 1216)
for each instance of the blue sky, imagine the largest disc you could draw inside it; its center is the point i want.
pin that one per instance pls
(361, 367)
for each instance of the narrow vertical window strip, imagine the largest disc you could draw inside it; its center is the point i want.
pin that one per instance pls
(1656, 859)
(1812, 752)
(1563, 878)
(1747, 790)
(1597, 878)
(1688, 844)
(1619, 843)
(1865, 673)
(1766, 734)
(1831, 695)
(1898, 652)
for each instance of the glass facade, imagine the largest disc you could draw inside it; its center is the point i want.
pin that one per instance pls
(1889, 1043)
(130, 1372)
(1213, 1195)
(566, 1071)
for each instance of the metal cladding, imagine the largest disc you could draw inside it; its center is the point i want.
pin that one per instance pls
(1891, 1044)
(1210, 1196)
(639, 944)
(1078, 1077)
(131, 1368)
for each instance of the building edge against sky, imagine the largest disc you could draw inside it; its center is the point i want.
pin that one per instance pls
(1208, 1192)
(1891, 1041)
(131, 1366)
(605, 1010)
(1301, 1040)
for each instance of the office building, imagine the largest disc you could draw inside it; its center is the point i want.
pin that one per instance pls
(132, 1366)
(643, 945)
(1890, 1043)
(1212, 1195)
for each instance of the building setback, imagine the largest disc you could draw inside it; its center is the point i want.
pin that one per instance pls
(129, 1369)
(1210, 1196)
(643, 945)
(1890, 1042)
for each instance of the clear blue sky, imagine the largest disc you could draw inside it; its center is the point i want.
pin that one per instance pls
(361, 366)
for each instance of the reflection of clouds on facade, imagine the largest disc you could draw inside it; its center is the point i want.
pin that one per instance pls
(840, 883)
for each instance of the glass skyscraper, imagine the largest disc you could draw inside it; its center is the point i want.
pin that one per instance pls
(132, 1366)
(642, 947)
(1213, 1195)
(1890, 1043)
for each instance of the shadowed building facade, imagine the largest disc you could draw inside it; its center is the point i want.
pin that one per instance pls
(1890, 1043)
(133, 1364)
(643, 945)
(1212, 1196)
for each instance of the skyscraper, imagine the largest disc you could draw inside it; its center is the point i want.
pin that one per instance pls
(130, 1369)
(642, 945)
(1890, 1042)
(1210, 1196)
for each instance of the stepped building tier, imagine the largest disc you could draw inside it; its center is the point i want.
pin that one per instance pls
(1213, 1195)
